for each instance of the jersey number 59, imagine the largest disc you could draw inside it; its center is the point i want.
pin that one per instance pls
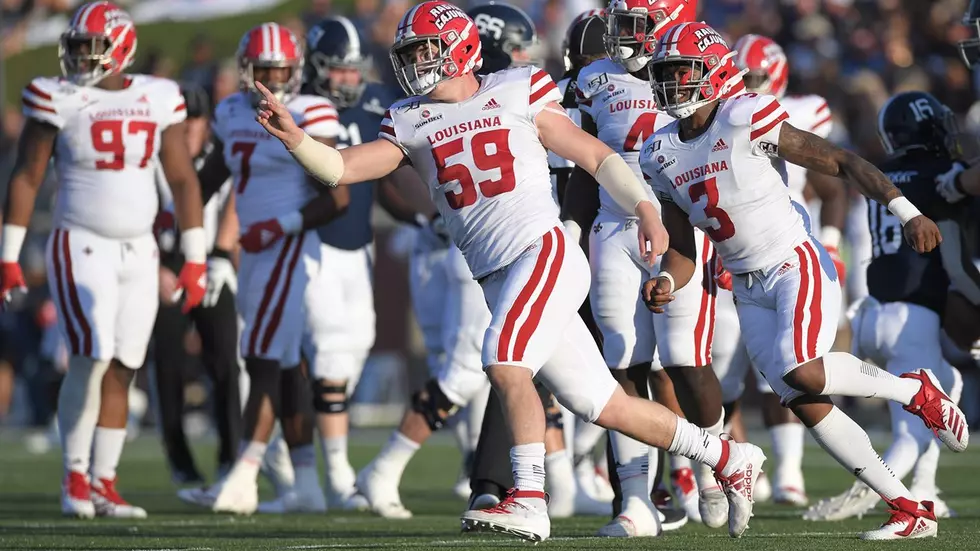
(500, 159)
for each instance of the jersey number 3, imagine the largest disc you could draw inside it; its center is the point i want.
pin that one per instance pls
(501, 159)
(709, 188)
(107, 137)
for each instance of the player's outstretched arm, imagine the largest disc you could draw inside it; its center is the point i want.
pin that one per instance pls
(213, 173)
(815, 153)
(581, 195)
(404, 196)
(561, 135)
(679, 262)
(360, 163)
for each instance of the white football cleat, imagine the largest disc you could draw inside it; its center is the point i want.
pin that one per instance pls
(789, 495)
(305, 497)
(855, 502)
(737, 479)
(938, 411)
(237, 493)
(108, 502)
(908, 520)
(202, 497)
(277, 466)
(76, 496)
(713, 507)
(340, 490)
(685, 488)
(522, 513)
(639, 519)
(462, 487)
(381, 494)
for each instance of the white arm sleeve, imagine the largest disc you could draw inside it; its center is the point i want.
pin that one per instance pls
(618, 179)
(321, 161)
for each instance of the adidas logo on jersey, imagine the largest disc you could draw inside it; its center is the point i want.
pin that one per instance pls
(492, 104)
(720, 145)
(143, 99)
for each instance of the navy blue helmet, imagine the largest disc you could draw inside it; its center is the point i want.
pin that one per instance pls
(334, 43)
(505, 30)
(917, 120)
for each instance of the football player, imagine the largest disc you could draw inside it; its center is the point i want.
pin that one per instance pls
(106, 131)
(768, 73)
(278, 295)
(463, 134)
(899, 325)
(785, 283)
(617, 106)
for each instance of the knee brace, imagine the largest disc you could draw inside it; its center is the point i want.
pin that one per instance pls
(552, 413)
(434, 405)
(294, 393)
(322, 404)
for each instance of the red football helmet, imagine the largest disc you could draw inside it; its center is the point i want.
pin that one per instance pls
(270, 45)
(435, 41)
(766, 63)
(100, 41)
(634, 26)
(691, 67)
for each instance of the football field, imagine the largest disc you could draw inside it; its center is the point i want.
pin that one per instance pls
(30, 519)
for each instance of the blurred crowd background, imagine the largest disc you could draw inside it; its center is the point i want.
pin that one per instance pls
(853, 52)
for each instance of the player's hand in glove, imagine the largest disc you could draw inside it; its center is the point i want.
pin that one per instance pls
(192, 282)
(922, 234)
(221, 274)
(722, 276)
(948, 184)
(657, 293)
(838, 263)
(11, 280)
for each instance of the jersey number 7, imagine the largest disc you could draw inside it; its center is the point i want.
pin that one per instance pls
(501, 159)
(709, 188)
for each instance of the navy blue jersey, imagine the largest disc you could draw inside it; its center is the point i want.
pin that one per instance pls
(897, 273)
(358, 123)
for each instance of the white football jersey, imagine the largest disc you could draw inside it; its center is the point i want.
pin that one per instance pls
(484, 163)
(625, 115)
(107, 149)
(268, 182)
(730, 182)
(810, 113)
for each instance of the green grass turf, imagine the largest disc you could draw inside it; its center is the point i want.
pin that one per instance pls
(29, 513)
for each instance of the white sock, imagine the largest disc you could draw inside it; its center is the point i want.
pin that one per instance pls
(561, 476)
(303, 456)
(527, 464)
(78, 411)
(586, 436)
(632, 457)
(337, 470)
(847, 442)
(396, 454)
(910, 439)
(678, 462)
(924, 474)
(845, 375)
(695, 443)
(704, 474)
(106, 450)
(250, 455)
(787, 451)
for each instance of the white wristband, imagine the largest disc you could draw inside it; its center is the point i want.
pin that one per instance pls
(291, 223)
(321, 161)
(903, 209)
(830, 237)
(193, 243)
(13, 241)
(668, 277)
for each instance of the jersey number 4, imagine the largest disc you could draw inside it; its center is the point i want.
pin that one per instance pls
(709, 188)
(640, 131)
(501, 159)
(107, 137)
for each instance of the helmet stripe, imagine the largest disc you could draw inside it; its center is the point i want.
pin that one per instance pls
(743, 52)
(81, 17)
(353, 38)
(406, 21)
(276, 39)
(266, 39)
